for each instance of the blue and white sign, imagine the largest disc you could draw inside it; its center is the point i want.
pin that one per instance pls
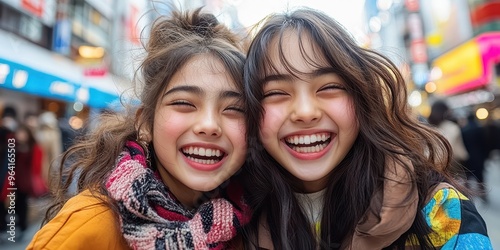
(22, 78)
(62, 37)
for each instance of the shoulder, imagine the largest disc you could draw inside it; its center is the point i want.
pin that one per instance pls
(83, 222)
(454, 220)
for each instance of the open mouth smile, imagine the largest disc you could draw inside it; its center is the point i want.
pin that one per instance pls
(308, 143)
(201, 155)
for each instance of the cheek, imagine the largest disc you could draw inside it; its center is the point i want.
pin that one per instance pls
(343, 114)
(167, 125)
(235, 131)
(272, 120)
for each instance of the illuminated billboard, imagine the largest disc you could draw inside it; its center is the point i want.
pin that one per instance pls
(468, 66)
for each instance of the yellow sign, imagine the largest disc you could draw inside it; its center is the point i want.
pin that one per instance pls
(460, 66)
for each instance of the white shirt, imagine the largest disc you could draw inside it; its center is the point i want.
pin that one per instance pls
(312, 205)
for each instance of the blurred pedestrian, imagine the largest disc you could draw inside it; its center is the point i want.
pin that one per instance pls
(31, 121)
(475, 141)
(8, 125)
(28, 169)
(68, 134)
(492, 128)
(49, 137)
(9, 118)
(441, 118)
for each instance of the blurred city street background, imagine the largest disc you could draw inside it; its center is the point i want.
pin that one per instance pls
(490, 211)
(65, 62)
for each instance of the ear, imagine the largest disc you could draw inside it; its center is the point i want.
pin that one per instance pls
(142, 129)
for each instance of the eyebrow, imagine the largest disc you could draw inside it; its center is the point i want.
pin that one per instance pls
(199, 91)
(184, 88)
(288, 77)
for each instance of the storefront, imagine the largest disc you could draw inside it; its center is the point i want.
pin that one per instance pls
(31, 70)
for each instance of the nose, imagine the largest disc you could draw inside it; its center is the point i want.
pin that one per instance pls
(306, 110)
(208, 124)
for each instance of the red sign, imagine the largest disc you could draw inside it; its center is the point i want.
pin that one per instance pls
(412, 5)
(33, 6)
(485, 13)
(418, 51)
(133, 31)
(96, 71)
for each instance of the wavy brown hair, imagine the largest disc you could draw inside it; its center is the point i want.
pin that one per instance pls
(172, 42)
(389, 132)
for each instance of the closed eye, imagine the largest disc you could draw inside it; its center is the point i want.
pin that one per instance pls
(332, 86)
(236, 109)
(181, 103)
(274, 93)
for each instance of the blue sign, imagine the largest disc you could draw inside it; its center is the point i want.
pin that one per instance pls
(22, 78)
(19, 77)
(62, 37)
(101, 99)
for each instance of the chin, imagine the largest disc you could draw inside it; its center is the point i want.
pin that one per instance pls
(205, 187)
(309, 177)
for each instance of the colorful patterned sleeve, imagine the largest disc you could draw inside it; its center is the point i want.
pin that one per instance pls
(455, 221)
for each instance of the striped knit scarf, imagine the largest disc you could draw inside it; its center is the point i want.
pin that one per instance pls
(151, 217)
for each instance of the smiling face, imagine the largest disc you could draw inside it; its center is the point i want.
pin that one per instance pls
(309, 123)
(199, 129)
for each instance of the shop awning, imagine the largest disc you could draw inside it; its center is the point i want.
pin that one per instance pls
(468, 66)
(19, 77)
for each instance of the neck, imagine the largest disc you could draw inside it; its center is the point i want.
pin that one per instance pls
(188, 198)
(310, 186)
(185, 195)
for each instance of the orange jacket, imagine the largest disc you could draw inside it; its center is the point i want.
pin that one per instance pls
(84, 222)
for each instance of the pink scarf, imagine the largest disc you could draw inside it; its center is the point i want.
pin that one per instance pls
(151, 217)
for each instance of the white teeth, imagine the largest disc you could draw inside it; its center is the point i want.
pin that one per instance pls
(202, 151)
(308, 139)
(313, 138)
(202, 161)
(311, 149)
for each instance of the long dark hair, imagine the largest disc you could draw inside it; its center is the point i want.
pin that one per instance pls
(172, 42)
(388, 132)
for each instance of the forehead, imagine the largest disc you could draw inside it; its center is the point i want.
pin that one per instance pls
(295, 52)
(204, 70)
(204, 64)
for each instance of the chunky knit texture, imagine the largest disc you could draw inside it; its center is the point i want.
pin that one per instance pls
(151, 217)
